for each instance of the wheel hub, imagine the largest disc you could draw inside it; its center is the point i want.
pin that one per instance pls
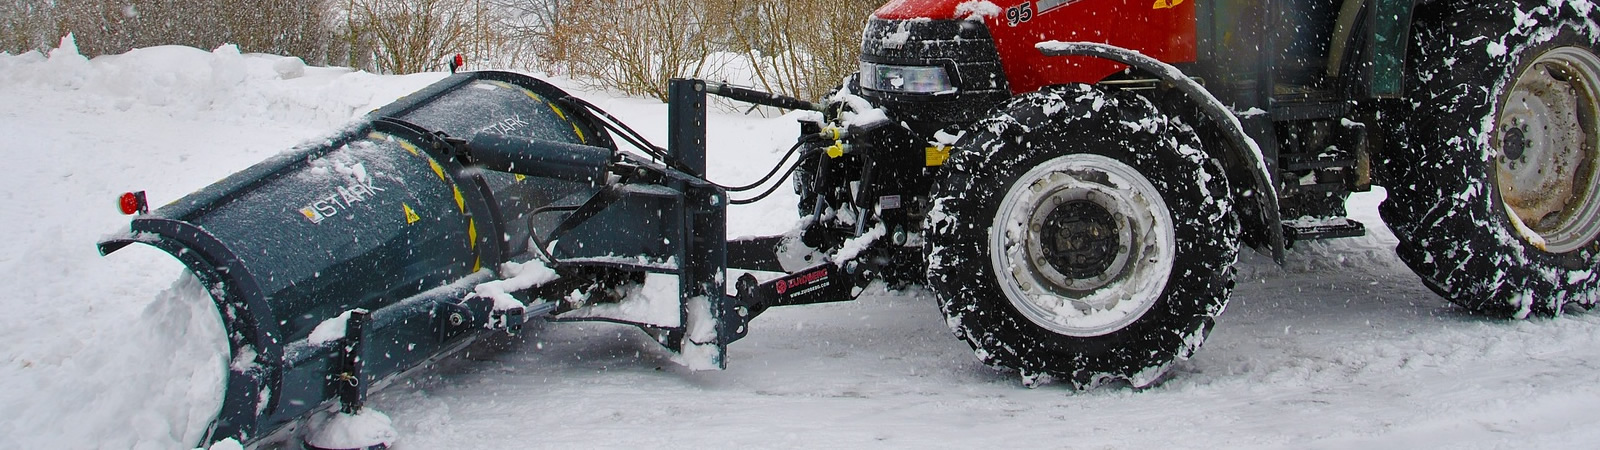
(1547, 139)
(1515, 144)
(1082, 245)
(1079, 239)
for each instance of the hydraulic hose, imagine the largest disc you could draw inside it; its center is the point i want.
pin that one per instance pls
(633, 137)
(770, 189)
(774, 171)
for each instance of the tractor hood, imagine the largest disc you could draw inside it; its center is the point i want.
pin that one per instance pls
(1163, 29)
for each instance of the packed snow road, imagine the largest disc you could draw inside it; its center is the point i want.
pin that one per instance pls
(1354, 354)
(1340, 348)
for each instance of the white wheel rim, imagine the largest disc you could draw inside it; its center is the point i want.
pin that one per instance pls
(1547, 136)
(1084, 205)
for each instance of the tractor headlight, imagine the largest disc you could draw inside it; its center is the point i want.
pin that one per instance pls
(908, 79)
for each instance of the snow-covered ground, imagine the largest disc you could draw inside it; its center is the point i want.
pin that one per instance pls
(1340, 348)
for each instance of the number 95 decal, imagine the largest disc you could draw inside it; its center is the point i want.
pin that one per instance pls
(1018, 14)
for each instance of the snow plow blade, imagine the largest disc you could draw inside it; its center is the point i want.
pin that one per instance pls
(350, 259)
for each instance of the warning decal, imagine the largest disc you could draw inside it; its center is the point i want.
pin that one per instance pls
(312, 214)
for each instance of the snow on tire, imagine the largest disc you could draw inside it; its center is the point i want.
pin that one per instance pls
(1499, 209)
(1081, 235)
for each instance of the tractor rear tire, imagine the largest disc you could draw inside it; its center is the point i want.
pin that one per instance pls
(1081, 235)
(1499, 210)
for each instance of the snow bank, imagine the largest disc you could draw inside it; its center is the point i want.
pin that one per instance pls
(221, 84)
(152, 379)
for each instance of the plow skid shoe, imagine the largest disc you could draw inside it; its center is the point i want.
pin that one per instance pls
(383, 217)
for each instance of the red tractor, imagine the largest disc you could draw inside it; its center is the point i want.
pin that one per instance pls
(1078, 207)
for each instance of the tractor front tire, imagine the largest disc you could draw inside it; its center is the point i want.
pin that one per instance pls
(1499, 211)
(1081, 235)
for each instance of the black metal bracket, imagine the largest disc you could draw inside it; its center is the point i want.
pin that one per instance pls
(824, 283)
(753, 96)
(509, 320)
(1298, 233)
(703, 259)
(348, 381)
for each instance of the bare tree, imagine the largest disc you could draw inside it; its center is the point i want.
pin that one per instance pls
(97, 25)
(801, 48)
(350, 44)
(537, 32)
(415, 35)
(635, 46)
(26, 25)
(796, 47)
(287, 27)
(290, 27)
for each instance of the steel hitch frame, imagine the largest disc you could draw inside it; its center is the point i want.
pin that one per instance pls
(704, 262)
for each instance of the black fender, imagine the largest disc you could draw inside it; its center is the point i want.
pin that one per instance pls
(1240, 145)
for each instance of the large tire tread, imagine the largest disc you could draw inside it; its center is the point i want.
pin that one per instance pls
(1030, 130)
(1444, 206)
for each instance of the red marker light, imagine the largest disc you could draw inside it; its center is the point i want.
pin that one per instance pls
(133, 203)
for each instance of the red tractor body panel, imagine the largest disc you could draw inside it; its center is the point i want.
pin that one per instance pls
(1163, 29)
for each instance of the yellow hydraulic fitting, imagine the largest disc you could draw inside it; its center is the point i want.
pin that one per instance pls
(836, 150)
